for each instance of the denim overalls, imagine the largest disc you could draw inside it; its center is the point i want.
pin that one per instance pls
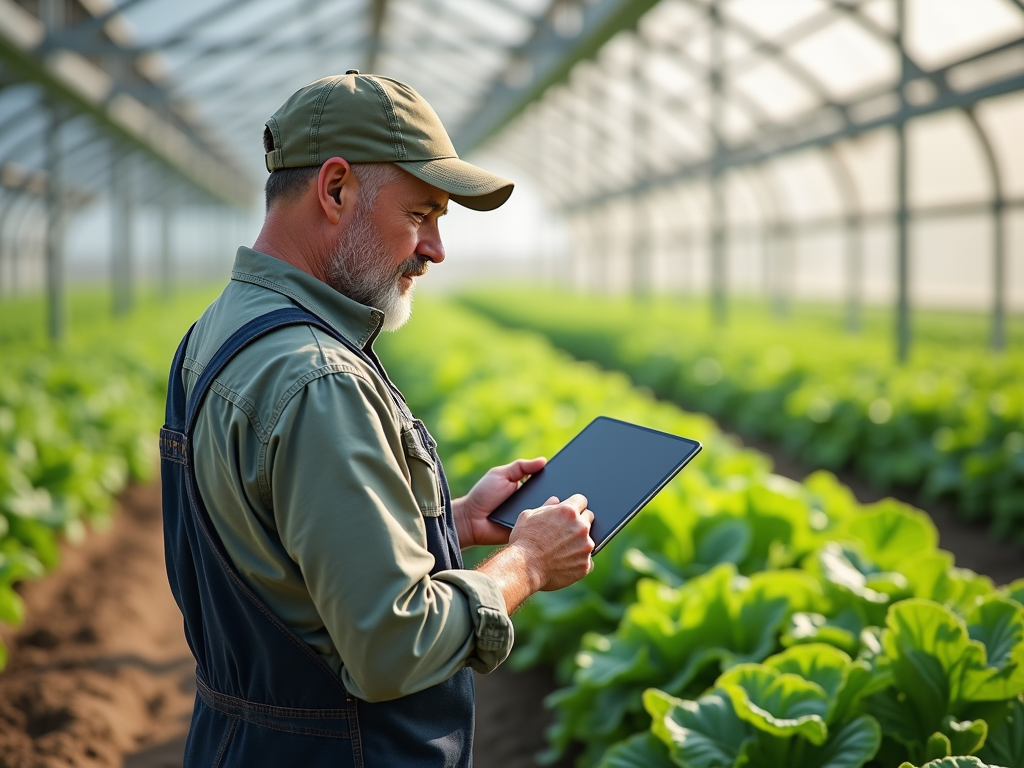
(264, 697)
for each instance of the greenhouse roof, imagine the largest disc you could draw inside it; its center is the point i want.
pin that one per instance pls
(730, 82)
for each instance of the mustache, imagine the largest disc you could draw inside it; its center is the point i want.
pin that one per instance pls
(414, 266)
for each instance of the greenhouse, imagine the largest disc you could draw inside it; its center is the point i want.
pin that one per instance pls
(790, 230)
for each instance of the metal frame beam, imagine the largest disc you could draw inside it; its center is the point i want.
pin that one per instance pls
(551, 57)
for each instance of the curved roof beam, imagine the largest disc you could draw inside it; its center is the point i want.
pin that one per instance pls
(775, 52)
(551, 56)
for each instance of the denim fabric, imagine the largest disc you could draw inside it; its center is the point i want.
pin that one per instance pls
(264, 697)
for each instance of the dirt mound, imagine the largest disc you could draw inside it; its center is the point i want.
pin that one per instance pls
(101, 670)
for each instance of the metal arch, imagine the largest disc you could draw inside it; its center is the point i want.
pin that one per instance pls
(21, 226)
(998, 332)
(552, 57)
(854, 209)
(29, 63)
(805, 133)
(217, 83)
(775, 53)
(777, 232)
(73, 37)
(7, 218)
(268, 32)
(79, 39)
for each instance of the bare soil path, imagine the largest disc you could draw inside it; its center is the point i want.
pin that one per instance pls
(101, 669)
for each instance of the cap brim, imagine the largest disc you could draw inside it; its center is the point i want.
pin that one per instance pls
(466, 184)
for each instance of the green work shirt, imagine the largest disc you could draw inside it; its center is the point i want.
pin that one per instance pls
(312, 481)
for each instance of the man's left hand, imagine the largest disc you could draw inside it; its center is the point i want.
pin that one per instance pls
(471, 510)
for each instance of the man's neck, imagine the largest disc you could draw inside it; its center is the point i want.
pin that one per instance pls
(284, 237)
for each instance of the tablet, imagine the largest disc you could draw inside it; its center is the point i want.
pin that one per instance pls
(618, 466)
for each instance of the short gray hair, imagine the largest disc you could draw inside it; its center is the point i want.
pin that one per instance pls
(290, 184)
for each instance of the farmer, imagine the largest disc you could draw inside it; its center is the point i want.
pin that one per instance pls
(312, 544)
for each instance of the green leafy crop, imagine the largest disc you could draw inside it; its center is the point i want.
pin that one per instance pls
(950, 423)
(77, 423)
(742, 619)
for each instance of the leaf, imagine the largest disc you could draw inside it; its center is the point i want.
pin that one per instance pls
(841, 631)
(937, 747)
(643, 750)
(615, 660)
(933, 660)
(953, 762)
(777, 703)
(849, 746)
(818, 663)
(727, 541)
(1004, 744)
(891, 531)
(897, 720)
(966, 736)
(1015, 590)
(699, 734)
(998, 623)
(12, 607)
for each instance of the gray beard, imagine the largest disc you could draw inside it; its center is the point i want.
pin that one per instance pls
(360, 268)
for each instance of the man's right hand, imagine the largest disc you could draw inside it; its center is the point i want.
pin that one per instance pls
(556, 540)
(549, 549)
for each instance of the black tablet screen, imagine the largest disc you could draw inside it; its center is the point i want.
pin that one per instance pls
(618, 466)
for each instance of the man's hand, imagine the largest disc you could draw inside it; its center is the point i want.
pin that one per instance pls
(549, 549)
(471, 510)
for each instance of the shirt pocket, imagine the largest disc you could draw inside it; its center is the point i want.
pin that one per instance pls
(422, 472)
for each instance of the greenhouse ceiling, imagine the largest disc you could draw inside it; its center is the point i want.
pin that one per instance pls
(191, 82)
(603, 101)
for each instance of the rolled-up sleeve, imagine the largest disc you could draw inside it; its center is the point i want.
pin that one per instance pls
(337, 480)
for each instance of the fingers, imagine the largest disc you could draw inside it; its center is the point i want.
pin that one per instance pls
(521, 468)
(589, 516)
(577, 501)
(550, 501)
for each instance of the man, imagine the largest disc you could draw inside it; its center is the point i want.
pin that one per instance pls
(312, 544)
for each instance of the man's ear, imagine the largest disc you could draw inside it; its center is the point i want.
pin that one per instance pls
(336, 188)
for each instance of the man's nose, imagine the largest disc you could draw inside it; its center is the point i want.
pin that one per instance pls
(431, 247)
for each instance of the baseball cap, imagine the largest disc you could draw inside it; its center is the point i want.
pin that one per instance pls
(374, 119)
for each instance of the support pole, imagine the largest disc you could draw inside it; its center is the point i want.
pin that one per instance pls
(998, 340)
(902, 210)
(54, 243)
(719, 268)
(122, 214)
(166, 257)
(997, 337)
(583, 161)
(854, 274)
(640, 219)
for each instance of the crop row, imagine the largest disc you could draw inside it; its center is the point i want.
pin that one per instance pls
(742, 619)
(950, 423)
(76, 424)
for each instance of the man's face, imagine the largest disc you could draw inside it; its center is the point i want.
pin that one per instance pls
(389, 244)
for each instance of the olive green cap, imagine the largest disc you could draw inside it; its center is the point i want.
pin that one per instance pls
(374, 119)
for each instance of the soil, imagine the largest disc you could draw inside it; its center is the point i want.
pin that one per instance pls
(101, 675)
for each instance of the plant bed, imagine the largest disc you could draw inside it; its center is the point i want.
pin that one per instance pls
(949, 424)
(735, 584)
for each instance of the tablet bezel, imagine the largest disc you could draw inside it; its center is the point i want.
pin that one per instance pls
(598, 546)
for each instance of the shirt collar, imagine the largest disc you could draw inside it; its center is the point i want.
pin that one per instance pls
(356, 322)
